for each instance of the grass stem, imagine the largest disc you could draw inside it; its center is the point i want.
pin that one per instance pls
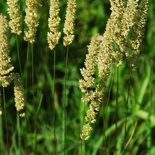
(65, 102)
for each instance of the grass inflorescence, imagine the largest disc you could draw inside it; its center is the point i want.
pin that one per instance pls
(76, 77)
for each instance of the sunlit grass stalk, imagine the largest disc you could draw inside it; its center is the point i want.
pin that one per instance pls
(25, 77)
(18, 54)
(67, 40)
(53, 36)
(65, 102)
(30, 65)
(54, 103)
(34, 101)
(26, 70)
(29, 62)
(116, 112)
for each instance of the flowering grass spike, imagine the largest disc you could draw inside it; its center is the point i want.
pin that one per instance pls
(53, 35)
(5, 61)
(69, 23)
(31, 20)
(122, 38)
(15, 16)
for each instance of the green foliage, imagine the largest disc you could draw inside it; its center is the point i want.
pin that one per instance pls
(126, 122)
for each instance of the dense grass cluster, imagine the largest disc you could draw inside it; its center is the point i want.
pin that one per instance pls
(47, 53)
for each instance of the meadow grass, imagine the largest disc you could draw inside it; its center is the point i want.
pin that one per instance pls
(54, 112)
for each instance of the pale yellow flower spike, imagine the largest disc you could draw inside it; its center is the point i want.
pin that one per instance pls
(5, 61)
(69, 23)
(31, 20)
(53, 23)
(137, 34)
(85, 131)
(15, 16)
(19, 94)
(123, 37)
(92, 92)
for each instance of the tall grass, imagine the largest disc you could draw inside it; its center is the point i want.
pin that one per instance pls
(54, 110)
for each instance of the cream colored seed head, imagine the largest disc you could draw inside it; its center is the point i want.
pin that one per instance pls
(90, 115)
(31, 20)
(85, 131)
(22, 114)
(69, 23)
(6, 80)
(5, 61)
(53, 23)
(123, 36)
(90, 64)
(93, 90)
(18, 93)
(15, 16)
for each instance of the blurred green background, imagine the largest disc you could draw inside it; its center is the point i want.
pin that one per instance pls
(126, 121)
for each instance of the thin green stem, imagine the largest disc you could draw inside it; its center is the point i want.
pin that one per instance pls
(32, 64)
(25, 72)
(105, 109)
(83, 120)
(35, 115)
(26, 69)
(65, 102)
(149, 137)
(54, 114)
(129, 140)
(1, 127)
(116, 112)
(1, 136)
(82, 147)
(18, 119)
(18, 53)
(127, 102)
(19, 135)
(6, 125)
